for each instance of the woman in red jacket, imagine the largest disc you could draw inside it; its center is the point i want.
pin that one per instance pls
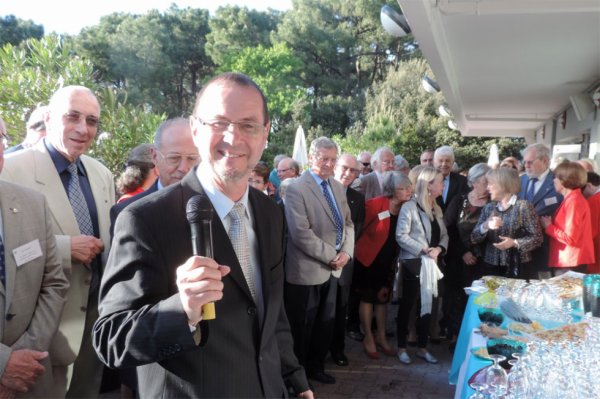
(570, 229)
(376, 252)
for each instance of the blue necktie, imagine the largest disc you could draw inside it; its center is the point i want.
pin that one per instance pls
(531, 190)
(77, 200)
(2, 264)
(336, 216)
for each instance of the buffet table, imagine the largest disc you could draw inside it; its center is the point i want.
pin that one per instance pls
(464, 364)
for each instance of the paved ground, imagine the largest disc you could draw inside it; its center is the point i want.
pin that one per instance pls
(387, 377)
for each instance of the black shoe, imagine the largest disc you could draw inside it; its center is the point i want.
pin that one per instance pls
(340, 359)
(322, 377)
(355, 335)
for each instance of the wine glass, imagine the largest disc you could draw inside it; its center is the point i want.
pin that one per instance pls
(479, 387)
(496, 377)
(517, 380)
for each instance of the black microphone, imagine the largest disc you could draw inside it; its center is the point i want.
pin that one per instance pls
(199, 213)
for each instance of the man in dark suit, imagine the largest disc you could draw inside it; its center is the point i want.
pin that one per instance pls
(320, 245)
(454, 185)
(174, 154)
(346, 170)
(537, 187)
(153, 291)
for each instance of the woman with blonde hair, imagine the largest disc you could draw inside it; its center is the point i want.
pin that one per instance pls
(508, 227)
(423, 240)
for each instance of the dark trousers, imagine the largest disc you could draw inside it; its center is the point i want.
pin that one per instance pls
(339, 324)
(411, 293)
(311, 313)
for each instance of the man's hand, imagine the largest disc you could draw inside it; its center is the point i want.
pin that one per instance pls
(306, 394)
(23, 369)
(199, 282)
(340, 260)
(469, 258)
(85, 248)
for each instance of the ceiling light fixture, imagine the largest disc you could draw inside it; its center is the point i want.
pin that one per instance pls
(393, 22)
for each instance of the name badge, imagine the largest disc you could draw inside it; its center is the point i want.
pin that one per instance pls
(384, 215)
(550, 201)
(28, 252)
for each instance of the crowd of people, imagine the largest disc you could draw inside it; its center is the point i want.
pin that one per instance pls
(299, 260)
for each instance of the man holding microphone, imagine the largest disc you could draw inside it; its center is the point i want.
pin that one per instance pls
(153, 289)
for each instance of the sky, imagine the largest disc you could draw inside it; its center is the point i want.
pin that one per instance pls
(69, 16)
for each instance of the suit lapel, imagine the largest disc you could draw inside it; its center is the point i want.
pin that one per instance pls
(51, 186)
(318, 192)
(12, 226)
(547, 185)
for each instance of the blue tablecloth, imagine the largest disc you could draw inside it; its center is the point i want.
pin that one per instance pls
(469, 322)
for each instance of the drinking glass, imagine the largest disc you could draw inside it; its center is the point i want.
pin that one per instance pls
(496, 377)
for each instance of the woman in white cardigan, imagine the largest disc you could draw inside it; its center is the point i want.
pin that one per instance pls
(423, 240)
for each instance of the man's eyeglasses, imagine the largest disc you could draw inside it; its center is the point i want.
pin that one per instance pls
(325, 159)
(345, 168)
(219, 126)
(366, 164)
(75, 117)
(283, 170)
(174, 159)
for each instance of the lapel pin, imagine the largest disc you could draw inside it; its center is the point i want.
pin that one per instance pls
(14, 210)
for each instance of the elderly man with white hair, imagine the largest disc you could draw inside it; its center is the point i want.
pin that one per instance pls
(371, 185)
(454, 183)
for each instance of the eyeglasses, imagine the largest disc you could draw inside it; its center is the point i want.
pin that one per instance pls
(174, 159)
(388, 162)
(75, 117)
(345, 168)
(325, 159)
(283, 170)
(366, 163)
(219, 126)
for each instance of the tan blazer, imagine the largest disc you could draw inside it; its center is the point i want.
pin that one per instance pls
(34, 168)
(32, 299)
(311, 243)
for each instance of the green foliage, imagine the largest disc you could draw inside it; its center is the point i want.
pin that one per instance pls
(123, 127)
(401, 115)
(14, 30)
(31, 72)
(235, 28)
(158, 58)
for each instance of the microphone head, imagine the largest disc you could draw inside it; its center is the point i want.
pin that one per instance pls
(199, 209)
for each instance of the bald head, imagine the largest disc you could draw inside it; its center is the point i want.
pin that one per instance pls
(346, 169)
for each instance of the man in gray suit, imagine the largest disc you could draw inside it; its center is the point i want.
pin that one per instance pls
(32, 290)
(371, 185)
(320, 244)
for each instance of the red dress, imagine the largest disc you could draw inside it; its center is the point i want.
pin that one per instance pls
(571, 233)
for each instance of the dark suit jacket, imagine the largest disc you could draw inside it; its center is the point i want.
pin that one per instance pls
(458, 186)
(356, 203)
(117, 208)
(546, 201)
(142, 322)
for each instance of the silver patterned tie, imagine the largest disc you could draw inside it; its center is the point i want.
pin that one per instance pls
(239, 240)
(77, 200)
